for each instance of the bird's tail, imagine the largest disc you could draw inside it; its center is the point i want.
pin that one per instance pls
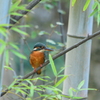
(39, 71)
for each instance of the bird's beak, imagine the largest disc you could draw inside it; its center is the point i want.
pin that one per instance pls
(48, 49)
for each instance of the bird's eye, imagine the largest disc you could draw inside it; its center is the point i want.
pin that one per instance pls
(36, 48)
(42, 47)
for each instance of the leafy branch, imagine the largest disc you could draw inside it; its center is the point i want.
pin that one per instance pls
(23, 12)
(55, 57)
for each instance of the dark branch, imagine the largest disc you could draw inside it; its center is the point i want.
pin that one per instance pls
(55, 57)
(28, 7)
(61, 20)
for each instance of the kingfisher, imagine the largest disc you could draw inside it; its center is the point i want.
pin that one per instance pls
(37, 56)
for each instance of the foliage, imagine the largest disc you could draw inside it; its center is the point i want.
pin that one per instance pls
(49, 91)
(8, 47)
(30, 89)
(96, 8)
(17, 6)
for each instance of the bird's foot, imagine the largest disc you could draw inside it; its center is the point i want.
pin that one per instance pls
(34, 69)
(40, 65)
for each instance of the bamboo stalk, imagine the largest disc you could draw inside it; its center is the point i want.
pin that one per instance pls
(78, 60)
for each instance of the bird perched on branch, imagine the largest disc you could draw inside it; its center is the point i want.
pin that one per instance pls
(37, 56)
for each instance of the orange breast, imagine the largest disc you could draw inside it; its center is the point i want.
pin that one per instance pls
(37, 58)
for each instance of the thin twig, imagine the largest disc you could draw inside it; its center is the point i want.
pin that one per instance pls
(55, 57)
(22, 43)
(27, 45)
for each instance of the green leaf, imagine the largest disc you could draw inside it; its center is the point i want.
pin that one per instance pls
(58, 33)
(38, 89)
(49, 87)
(61, 44)
(81, 84)
(28, 99)
(50, 41)
(48, 6)
(59, 23)
(53, 65)
(9, 68)
(12, 84)
(61, 11)
(94, 12)
(21, 26)
(17, 14)
(2, 42)
(18, 90)
(7, 57)
(61, 75)
(42, 79)
(15, 5)
(86, 5)
(3, 31)
(70, 92)
(4, 25)
(42, 33)
(74, 90)
(13, 45)
(98, 15)
(22, 7)
(71, 97)
(62, 69)
(31, 89)
(23, 85)
(73, 2)
(18, 54)
(95, 5)
(65, 96)
(52, 26)
(60, 81)
(19, 31)
(14, 20)
(77, 97)
(2, 48)
(88, 89)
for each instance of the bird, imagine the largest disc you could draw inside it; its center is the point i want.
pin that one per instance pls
(37, 56)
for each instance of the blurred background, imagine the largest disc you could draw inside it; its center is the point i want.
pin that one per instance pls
(44, 20)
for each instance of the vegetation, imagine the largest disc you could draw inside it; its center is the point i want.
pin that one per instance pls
(26, 88)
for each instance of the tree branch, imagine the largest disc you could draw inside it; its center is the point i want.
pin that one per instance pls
(55, 57)
(61, 26)
(28, 7)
